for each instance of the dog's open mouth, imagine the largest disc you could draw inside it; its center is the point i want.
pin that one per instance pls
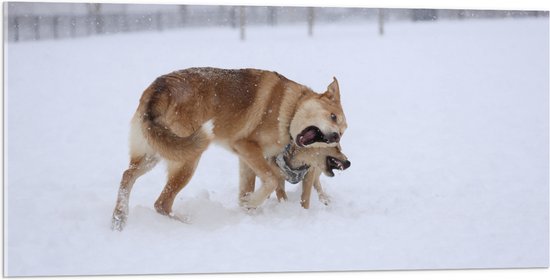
(334, 163)
(310, 135)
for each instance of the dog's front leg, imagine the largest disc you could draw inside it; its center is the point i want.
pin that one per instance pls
(323, 196)
(251, 153)
(307, 184)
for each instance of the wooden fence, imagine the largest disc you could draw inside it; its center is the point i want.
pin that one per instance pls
(27, 27)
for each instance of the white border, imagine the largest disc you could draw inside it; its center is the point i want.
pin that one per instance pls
(501, 274)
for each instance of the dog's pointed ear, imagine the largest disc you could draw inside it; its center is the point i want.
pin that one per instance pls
(333, 91)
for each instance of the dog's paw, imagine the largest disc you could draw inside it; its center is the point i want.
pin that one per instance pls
(246, 202)
(252, 211)
(180, 218)
(243, 199)
(247, 206)
(324, 198)
(118, 222)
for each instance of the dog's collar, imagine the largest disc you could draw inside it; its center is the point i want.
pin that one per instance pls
(293, 176)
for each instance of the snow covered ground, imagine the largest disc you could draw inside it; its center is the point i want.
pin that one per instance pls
(448, 136)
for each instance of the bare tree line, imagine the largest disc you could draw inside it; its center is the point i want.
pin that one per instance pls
(97, 21)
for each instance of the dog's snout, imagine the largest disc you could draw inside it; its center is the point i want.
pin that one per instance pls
(334, 137)
(347, 164)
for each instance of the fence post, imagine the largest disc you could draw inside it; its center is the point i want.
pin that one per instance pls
(56, 27)
(149, 19)
(159, 21)
(233, 16)
(272, 16)
(242, 22)
(310, 20)
(461, 14)
(99, 24)
(380, 22)
(125, 23)
(98, 18)
(183, 15)
(16, 28)
(88, 24)
(73, 26)
(37, 28)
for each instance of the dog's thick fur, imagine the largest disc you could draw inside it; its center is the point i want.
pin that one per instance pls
(254, 113)
(319, 160)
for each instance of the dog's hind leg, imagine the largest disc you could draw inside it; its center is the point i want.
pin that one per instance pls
(247, 181)
(139, 165)
(280, 191)
(179, 174)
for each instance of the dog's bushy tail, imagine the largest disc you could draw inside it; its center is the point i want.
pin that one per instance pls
(159, 135)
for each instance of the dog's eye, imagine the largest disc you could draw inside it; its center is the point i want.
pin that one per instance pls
(333, 117)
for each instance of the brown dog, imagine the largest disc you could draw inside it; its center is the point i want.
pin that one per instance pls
(254, 113)
(293, 162)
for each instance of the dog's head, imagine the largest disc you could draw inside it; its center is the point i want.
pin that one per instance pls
(319, 120)
(325, 159)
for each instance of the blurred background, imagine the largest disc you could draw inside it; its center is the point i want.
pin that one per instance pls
(46, 21)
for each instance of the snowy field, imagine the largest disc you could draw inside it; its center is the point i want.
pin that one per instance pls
(448, 136)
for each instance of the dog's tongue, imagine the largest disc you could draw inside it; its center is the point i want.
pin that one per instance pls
(308, 136)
